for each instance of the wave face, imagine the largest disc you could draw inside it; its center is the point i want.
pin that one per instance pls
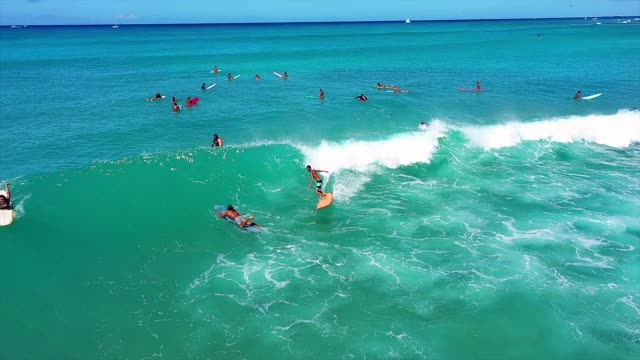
(467, 229)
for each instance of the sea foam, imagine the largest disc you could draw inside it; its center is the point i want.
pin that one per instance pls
(352, 161)
(617, 130)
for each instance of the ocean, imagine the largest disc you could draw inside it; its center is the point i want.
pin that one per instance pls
(507, 229)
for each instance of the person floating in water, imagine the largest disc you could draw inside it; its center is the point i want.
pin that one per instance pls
(477, 85)
(257, 76)
(189, 101)
(157, 97)
(5, 201)
(176, 107)
(362, 97)
(321, 94)
(229, 76)
(173, 99)
(397, 89)
(217, 141)
(315, 177)
(285, 75)
(578, 95)
(240, 220)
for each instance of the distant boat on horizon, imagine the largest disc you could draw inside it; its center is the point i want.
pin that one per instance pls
(115, 26)
(408, 21)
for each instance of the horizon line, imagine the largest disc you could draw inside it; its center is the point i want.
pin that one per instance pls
(341, 21)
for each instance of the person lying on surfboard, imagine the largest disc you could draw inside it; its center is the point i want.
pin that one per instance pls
(397, 89)
(5, 201)
(157, 97)
(578, 95)
(361, 97)
(315, 177)
(240, 220)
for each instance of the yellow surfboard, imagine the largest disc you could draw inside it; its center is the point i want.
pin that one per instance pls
(325, 201)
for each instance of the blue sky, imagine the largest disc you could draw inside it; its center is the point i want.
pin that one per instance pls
(41, 12)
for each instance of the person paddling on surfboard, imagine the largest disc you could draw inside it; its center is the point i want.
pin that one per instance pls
(315, 177)
(578, 95)
(361, 97)
(240, 220)
(321, 94)
(5, 201)
(217, 141)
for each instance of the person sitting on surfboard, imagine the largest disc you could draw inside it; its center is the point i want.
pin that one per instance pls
(315, 177)
(5, 201)
(217, 141)
(239, 219)
(203, 87)
(578, 95)
(477, 85)
(361, 97)
(285, 75)
(257, 76)
(321, 94)
(230, 77)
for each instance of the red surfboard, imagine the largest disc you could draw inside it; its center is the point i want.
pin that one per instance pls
(194, 101)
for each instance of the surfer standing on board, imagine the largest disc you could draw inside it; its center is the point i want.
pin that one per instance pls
(315, 177)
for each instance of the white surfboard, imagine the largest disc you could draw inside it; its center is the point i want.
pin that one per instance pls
(237, 76)
(211, 86)
(591, 96)
(6, 216)
(278, 74)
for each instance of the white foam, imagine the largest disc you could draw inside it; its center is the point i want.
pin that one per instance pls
(618, 130)
(353, 161)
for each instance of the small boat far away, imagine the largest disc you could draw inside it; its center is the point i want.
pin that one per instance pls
(408, 21)
(115, 26)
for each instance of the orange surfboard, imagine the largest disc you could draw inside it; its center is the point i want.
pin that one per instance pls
(325, 201)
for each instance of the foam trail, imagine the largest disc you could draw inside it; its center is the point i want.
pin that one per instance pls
(352, 161)
(618, 130)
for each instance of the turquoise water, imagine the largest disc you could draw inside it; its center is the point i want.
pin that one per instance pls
(515, 237)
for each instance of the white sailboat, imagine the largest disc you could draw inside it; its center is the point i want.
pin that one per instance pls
(408, 21)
